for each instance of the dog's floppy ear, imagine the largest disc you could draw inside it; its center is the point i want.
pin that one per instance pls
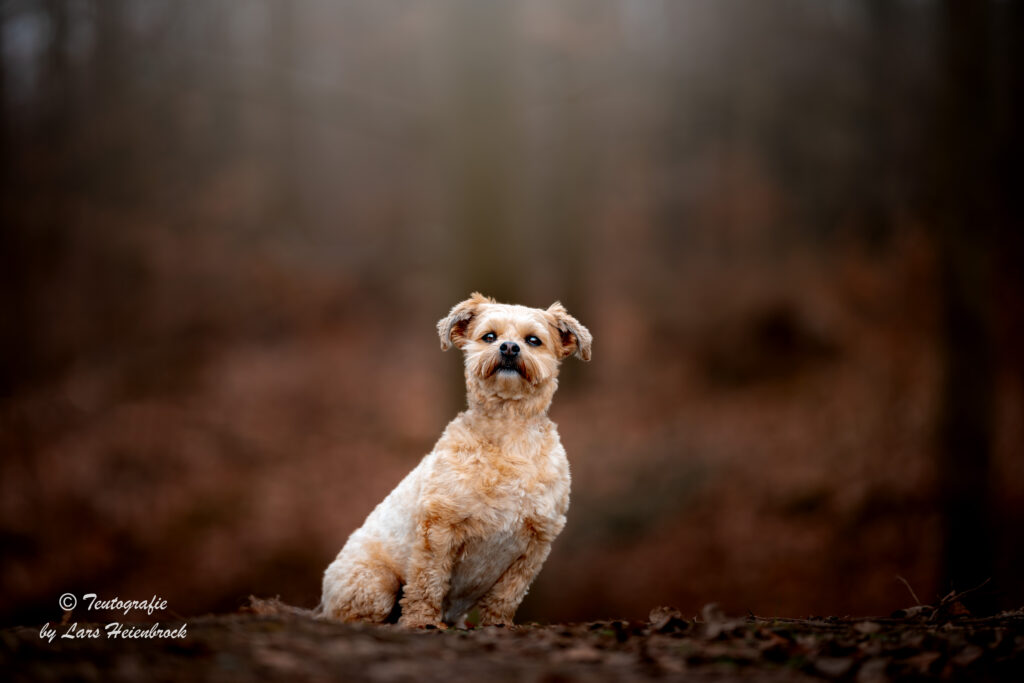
(452, 328)
(574, 337)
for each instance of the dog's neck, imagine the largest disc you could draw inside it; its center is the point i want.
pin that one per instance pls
(531, 404)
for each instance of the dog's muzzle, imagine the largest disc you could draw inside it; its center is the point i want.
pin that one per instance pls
(509, 361)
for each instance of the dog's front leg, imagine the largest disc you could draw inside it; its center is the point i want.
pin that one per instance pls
(429, 575)
(500, 603)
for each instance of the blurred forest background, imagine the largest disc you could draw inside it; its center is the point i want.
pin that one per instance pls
(229, 227)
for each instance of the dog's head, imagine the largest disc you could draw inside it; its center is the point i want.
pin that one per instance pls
(512, 352)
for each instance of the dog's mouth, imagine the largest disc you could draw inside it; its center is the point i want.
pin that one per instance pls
(508, 364)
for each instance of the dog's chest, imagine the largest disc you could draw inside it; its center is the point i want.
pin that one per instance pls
(513, 478)
(506, 490)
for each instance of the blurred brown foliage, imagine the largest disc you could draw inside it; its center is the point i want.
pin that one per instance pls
(793, 227)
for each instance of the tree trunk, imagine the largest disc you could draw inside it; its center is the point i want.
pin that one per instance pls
(966, 224)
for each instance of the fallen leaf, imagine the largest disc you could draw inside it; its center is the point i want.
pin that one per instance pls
(967, 656)
(867, 627)
(667, 620)
(833, 666)
(582, 654)
(873, 671)
(913, 612)
(923, 662)
(957, 609)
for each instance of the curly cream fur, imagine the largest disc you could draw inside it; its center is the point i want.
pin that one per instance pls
(471, 525)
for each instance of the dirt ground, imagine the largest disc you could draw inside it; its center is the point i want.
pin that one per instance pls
(265, 643)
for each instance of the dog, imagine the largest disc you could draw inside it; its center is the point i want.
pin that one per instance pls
(466, 532)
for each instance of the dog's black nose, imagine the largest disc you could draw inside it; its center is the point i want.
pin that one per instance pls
(509, 349)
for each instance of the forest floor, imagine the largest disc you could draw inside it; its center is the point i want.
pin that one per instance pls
(922, 643)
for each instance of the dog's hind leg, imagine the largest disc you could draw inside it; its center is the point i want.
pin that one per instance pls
(359, 590)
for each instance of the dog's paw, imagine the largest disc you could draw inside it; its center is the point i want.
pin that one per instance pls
(418, 612)
(494, 617)
(419, 616)
(421, 621)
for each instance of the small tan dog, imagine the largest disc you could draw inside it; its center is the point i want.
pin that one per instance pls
(471, 525)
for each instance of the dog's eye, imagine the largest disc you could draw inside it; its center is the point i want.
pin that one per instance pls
(533, 340)
(489, 337)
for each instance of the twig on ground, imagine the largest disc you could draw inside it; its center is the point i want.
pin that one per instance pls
(909, 588)
(953, 596)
